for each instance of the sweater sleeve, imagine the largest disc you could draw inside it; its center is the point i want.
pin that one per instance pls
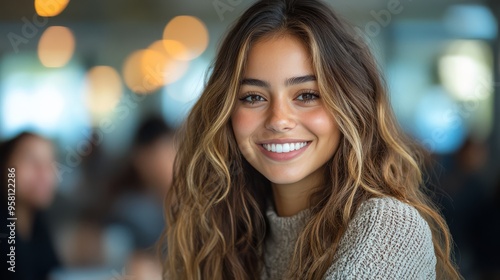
(386, 239)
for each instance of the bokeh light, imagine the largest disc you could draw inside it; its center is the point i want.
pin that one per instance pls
(173, 48)
(191, 32)
(45, 101)
(56, 46)
(470, 21)
(147, 70)
(143, 70)
(173, 69)
(466, 70)
(132, 73)
(439, 123)
(104, 90)
(178, 98)
(50, 8)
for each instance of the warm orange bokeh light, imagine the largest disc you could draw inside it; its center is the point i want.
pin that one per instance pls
(176, 50)
(190, 32)
(133, 75)
(50, 8)
(173, 69)
(56, 46)
(147, 70)
(142, 71)
(104, 90)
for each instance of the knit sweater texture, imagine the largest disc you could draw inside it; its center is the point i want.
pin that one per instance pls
(386, 239)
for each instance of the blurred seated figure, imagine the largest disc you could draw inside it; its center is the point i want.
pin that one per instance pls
(137, 195)
(35, 180)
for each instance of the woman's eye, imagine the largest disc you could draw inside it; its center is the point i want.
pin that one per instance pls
(252, 98)
(307, 97)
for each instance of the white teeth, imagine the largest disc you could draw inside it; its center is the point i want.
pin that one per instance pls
(284, 148)
(279, 148)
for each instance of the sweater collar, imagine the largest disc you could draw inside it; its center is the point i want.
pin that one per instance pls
(286, 228)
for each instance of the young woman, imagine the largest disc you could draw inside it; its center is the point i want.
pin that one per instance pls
(291, 164)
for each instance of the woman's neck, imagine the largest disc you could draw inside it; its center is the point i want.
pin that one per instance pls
(290, 199)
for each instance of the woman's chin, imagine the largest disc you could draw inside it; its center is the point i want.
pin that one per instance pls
(283, 179)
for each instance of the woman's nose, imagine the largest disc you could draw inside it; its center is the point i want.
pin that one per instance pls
(280, 118)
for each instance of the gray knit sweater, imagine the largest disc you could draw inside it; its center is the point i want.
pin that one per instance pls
(386, 239)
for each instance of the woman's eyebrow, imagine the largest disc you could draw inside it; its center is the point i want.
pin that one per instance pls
(289, 82)
(255, 82)
(299, 80)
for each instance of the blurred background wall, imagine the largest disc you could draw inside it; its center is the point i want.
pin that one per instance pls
(108, 82)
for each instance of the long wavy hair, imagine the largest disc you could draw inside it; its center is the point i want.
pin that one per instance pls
(215, 210)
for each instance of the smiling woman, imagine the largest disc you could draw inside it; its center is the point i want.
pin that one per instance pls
(291, 165)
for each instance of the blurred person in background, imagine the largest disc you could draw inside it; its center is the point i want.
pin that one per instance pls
(136, 195)
(122, 214)
(33, 157)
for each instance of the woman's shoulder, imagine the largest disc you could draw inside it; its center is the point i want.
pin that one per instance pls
(387, 219)
(388, 210)
(386, 238)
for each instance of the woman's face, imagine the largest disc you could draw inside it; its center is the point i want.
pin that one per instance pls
(35, 175)
(280, 122)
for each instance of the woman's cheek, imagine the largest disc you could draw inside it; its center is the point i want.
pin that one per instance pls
(244, 122)
(320, 122)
